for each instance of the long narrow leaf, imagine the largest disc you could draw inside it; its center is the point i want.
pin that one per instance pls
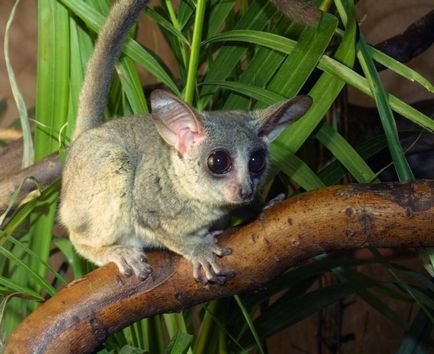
(293, 310)
(345, 153)
(228, 57)
(249, 323)
(261, 68)
(401, 165)
(327, 64)
(95, 21)
(132, 86)
(298, 66)
(51, 109)
(401, 69)
(15, 287)
(19, 262)
(29, 152)
(294, 168)
(417, 338)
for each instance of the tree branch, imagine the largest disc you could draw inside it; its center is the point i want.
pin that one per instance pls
(417, 38)
(44, 172)
(403, 47)
(81, 316)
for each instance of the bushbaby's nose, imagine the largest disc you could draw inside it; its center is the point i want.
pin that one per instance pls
(245, 193)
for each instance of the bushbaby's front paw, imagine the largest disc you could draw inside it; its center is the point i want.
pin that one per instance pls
(205, 267)
(130, 261)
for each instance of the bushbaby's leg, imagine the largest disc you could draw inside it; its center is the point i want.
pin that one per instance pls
(130, 260)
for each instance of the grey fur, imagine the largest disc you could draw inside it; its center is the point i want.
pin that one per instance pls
(143, 181)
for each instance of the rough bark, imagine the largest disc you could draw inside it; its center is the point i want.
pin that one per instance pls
(81, 316)
(417, 38)
(41, 174)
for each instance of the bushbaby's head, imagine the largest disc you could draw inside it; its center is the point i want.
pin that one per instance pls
(221, 158)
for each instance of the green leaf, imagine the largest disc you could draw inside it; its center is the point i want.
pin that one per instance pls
(52, 107)
(345, 153)
(21, 245)
(15, 287)
(95, 21)
(311, 271)
(202, 339)
(185, 13)
(401, 165)
(82, 47)
(31, 273)
(418, 337)
(327, 64)
(269, 40)
(228, 57)
(220, 9)
(324, 93)
(132, 86)
(294, 168)
(164, 23)
(360, 83)
(52, 74)
(249, 322)
(333, 173)
(298, 66)
(292, 310)
(401, 69)
(179, 344)
(260, 69)
(257, 93)
(74, 260)
(360, 283)
(28, 151)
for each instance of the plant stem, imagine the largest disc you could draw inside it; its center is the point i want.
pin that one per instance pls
(195, 51)
(175, 323)
(205, 328)
(249, 322)
(176, 24)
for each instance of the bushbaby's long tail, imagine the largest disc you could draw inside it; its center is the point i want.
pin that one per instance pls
(101, 67)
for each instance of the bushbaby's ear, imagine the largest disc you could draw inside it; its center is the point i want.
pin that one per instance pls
(177, 123)
(272, 120)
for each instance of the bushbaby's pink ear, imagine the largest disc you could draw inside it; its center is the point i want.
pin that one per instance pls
(272, 120)
(177, 123)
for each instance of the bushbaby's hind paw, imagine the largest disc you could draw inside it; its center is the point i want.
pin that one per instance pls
(130, 261)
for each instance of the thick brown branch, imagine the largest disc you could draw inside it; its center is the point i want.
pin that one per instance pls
(417, 38)
(403, 47)
(81, 316)
(44, 172)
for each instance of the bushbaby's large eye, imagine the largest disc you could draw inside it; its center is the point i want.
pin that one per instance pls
(219, 162)
(257, 161)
